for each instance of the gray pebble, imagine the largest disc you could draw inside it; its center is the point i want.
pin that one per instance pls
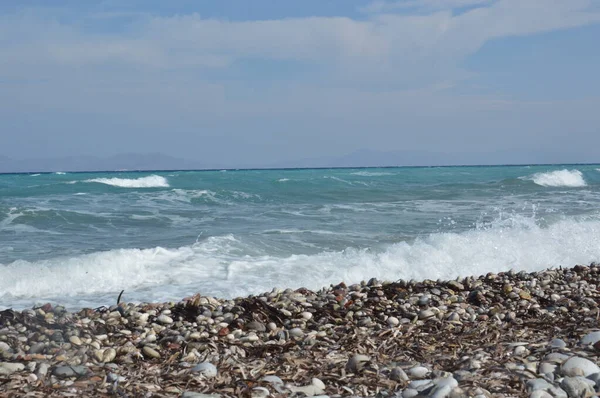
(205, 368)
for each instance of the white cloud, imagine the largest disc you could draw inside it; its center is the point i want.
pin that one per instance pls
(421, 5)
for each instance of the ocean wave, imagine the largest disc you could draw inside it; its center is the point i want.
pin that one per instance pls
(60, 173)
(152, 181)
(283, 180)
(371, 174)
(226, 266)
(559, 178)
(34, 175)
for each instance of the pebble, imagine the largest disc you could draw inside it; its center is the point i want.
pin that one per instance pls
(578, 387)
(256, 326)
(165, 319)
(577, 366)
(70, 371)
(150, 352)
(206, 369)
(8, 368)
(75, 340)
(418, 372)
(191, 394)
(296, 332)
(393, 321)
(591, 338)
(356, 363)
(397, 374)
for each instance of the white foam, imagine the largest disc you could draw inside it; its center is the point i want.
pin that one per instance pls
(152, 181)
(559, 178)
(227, 267)
(283, 179)
(34, 175)
(60, 173)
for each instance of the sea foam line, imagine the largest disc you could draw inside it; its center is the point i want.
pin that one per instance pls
(559, 178)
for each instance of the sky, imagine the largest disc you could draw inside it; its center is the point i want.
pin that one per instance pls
(262, 81)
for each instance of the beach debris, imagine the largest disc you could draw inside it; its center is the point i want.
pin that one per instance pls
(504, 334)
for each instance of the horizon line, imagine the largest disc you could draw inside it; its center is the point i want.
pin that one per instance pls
(296, 168)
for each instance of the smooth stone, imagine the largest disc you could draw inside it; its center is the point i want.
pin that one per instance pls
(5, 348)
(32, 378)
(454, 285)
(577, 366)
(109, 355)
(37, 348)
(409, 393)
(547, 367)
(393, 321)
(443, 387)
(70, 371)
(205, 368)
(164, 319)
(296, 332)
(42, 370)
(150, 352)
(420, 385)
(556, 357)
(591, 338)
(426, 314)
(75, 340)
(8, 368)
(259, 392)
(397, 374)
(306, 315)
(577, 387)
(418, 372)
(272, 379)
(191, 394)
(540, 394)
(113, 377)
(558, 343)
(537, 384)
(317, 387)
(356, 363)
(256, 326)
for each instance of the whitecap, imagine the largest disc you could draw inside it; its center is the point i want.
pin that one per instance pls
(152, 181)
(559, 178)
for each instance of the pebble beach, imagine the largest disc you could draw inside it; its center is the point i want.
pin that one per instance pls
(510, 334)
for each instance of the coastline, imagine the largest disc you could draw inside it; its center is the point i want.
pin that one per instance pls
(505, 334)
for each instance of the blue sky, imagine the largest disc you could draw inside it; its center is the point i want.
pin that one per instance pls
(242, 82)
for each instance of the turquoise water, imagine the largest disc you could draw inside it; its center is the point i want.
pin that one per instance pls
(80, 238)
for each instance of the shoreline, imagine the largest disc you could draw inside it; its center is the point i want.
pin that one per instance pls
(505, 334)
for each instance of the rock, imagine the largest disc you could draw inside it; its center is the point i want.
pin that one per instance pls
(356, 363)
(164, 319)
(109, 355)
(191, 394)
(63, 372)
(8, 368)
(5, 348)
(540, 394)
(578, 387)
(37, 348)
(537, 384)
(418, 372)
(75, 340)
(409, 393)
(42, 370)
(456, 286)
(393, 321)
(590, 338)
(32, 378)
(259, 392)
(443, 387)
(397, 374)
(256, 326)
(557, 343)
(306, 315)
(426, 314)
(150, 352)
(577, 366)
(206, 369)
(546, 367)
(317, 387)
(296, 332)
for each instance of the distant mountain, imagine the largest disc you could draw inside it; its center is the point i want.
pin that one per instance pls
(373, 158)
(131, 161)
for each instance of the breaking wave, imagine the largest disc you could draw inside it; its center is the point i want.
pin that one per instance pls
(227, 266)
(559, 178)
(152, 181)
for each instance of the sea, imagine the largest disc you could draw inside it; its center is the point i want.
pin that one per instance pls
(79, 239)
